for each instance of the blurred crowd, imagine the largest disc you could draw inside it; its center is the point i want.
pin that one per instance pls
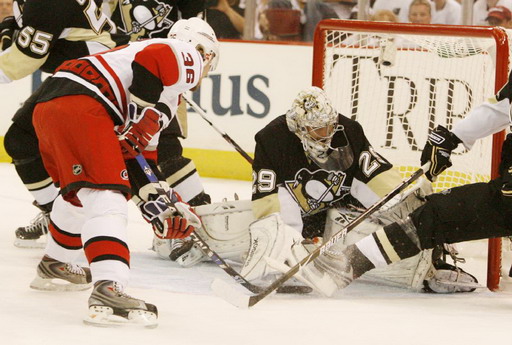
(295, 20)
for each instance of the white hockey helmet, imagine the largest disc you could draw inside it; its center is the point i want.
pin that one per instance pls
(200, 34)
(311, 112)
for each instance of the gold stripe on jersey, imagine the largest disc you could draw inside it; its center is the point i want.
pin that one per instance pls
(265, 206)
(17, 65)
(385, 182)
(79, 35)
(180, 174)
(182, 118)
(387, 246)
(140, 102)
(38, 185)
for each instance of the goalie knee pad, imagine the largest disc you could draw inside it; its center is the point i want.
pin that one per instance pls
(270, 238)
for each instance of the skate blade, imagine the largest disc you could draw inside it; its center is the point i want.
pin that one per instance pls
(40, 243)
(101, 316)
(57, 285)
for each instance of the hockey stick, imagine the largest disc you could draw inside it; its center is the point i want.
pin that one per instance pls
(234, 297)
(153, 179)
(222, 133)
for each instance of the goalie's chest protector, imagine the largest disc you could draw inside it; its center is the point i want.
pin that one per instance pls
(280, 155)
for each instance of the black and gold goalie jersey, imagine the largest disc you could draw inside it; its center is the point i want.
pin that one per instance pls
(52, 31)
(285, 180)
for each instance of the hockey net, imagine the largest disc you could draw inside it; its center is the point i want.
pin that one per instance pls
(401, 80)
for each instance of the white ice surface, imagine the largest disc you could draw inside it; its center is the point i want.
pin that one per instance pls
(190, 314)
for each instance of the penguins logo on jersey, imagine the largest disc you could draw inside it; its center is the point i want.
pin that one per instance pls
(145, 18)
(314, 191)
(150, 15)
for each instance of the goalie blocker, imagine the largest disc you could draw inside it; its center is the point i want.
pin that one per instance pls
(230, 229)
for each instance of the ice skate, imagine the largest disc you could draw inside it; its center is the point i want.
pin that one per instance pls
(33, 235)
(53, 275)
(109, 306)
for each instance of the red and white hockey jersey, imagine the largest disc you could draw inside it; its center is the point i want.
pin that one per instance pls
(152, 72)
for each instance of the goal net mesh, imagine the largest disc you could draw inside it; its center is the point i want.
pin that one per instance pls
(401, 84)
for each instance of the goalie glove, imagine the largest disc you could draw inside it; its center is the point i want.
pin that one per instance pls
(437, 151)
(169, 222)
(138, 131)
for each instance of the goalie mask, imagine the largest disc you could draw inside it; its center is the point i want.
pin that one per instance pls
(201, 35)
(313, 119)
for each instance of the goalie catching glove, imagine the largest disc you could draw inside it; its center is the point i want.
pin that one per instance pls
(178, 221)
(138, 131)
(437, 151)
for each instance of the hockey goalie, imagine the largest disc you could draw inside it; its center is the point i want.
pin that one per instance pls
(314, 171)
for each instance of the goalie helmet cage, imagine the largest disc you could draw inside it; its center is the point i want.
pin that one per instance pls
(401, 80)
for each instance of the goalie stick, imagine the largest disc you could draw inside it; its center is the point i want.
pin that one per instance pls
(153, 179)
(233, 296)
(222, 133)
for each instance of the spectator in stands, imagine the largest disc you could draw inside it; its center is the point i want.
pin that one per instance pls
(481, 9)
(499, 16)
(420, 12)
(398, 7)
(447, 12)
(5, 9)
(384, 16)
(342, 8)
(226, 17)
(311, 12)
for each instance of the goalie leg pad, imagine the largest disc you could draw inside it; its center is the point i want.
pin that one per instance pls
(225, 229)
(337, 266)
(406, 202)
(409, 273)
(276, 246)
(339, 218)
(269, 237)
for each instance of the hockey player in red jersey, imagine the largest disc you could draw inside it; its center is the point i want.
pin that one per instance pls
(92, 117)
(43, 39)
(469, 212)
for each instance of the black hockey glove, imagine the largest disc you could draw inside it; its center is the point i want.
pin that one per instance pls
(7, 29)
(506, 90)
(506, 170)
(437, 151)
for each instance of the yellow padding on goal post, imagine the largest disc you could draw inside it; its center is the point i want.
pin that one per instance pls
(4, 157)
(209, 163)
(220, 164)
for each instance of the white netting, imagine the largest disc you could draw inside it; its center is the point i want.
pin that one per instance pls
(400, 86)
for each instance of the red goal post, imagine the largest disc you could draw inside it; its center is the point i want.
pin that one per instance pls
(401, 80)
